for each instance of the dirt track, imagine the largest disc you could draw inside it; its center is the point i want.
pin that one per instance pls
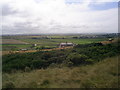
(108, 42)
(8, 52)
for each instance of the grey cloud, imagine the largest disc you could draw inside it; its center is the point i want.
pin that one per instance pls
(34, 19)
(7, 10)
(21, 28)
(80, 26)
(70, 26)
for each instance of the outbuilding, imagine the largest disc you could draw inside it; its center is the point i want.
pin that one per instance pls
(66, 44)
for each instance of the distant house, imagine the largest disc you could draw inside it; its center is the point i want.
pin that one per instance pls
(110, 39)
(24, 49)
(66, 44)
(35, 45)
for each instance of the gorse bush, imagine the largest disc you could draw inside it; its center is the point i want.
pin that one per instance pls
(77, 59)
(79, 55)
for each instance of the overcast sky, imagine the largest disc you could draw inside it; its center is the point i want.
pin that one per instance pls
(59, 16)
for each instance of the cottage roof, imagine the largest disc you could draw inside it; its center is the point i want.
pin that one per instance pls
(24, 49)
(66, 43)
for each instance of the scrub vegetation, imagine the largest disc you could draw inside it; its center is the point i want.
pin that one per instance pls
(103, 74)
(79, 55)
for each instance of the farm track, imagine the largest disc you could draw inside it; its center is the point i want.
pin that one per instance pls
(108, 42)
(29, 51)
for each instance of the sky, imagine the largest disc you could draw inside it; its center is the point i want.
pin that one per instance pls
(59, 16)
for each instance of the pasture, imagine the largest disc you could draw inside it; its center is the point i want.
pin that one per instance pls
(14, 47)
(13, 43)
(57, 41)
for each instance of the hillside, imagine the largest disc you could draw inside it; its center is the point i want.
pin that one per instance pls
(103, 74)
(86, 65)
(79, 55)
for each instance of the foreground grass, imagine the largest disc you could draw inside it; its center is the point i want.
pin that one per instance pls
(100, 75)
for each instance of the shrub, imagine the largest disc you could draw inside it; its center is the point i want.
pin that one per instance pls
(77, 59)
(46, 55)
(39, 64)
(67, 63)
(89, 61)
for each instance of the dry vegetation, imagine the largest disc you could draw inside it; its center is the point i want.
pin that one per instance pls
(103, 74)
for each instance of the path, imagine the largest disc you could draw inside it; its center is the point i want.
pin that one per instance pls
(8, 52)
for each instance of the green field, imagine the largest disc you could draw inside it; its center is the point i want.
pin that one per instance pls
(55, 42)
(14, 46)
(52, 41)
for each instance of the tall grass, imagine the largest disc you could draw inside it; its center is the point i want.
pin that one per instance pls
(103, 74)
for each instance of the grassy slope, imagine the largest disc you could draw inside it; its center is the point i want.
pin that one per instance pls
(100, 75)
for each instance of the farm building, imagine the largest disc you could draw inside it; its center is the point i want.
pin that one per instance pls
(24, 49)
(35, 45)
(111, 39)
(66, 44)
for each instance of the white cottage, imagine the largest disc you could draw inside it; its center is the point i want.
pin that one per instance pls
(66, 44)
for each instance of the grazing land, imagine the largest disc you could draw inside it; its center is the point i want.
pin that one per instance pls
(57, 41)
(14, 47)
(12, 41)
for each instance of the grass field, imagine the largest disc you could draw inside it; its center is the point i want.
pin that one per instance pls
(103, 74)
(15, 46)
(54, 42)
(12, 41)
(20, 42)
(57, 41)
